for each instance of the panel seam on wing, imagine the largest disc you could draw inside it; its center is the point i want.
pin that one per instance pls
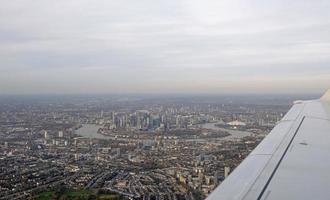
(277, 148)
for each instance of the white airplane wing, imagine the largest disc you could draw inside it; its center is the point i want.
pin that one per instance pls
(292, 162)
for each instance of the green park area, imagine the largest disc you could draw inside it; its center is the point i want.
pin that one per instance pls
(75, 195)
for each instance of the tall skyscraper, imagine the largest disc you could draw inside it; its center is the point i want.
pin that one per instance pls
(60, 134)
(226, 171)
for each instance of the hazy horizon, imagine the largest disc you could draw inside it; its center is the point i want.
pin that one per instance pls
(164, 47)
(305, 96)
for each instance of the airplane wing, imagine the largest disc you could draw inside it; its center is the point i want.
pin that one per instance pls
(292, 162)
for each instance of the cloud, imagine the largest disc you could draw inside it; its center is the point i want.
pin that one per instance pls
(163, 46)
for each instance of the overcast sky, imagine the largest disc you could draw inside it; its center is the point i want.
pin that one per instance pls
(164, 46)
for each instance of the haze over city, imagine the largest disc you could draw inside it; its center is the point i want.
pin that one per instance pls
(146, 46)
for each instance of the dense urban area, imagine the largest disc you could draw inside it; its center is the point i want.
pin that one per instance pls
(127, 147)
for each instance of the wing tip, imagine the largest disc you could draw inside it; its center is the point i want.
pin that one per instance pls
(326, 96)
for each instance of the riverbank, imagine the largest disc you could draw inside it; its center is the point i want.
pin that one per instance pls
(91, 131)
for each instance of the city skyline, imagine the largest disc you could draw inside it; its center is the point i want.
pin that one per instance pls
(231, 47)
(121, 148)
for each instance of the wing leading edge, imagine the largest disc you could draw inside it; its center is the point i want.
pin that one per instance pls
(292, 162)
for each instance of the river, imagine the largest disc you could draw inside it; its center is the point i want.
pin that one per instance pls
(234, 134)
(90, 131)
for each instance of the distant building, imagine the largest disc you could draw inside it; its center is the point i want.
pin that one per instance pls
(216, 178)
(60, 134)
(226, 171)
(46, 135)
(236, 123)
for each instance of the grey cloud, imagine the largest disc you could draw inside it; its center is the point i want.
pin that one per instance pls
(150, 46)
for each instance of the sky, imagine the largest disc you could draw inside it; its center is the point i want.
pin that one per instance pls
(164, 46)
